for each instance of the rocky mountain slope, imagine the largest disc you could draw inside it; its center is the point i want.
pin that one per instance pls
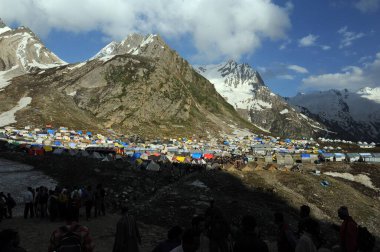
(150, 90)
(21, 51)
(352, 115)
(244, 88)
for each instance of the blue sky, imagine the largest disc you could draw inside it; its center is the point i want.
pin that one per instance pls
(297, 45)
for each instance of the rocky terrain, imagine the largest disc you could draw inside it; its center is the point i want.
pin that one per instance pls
(160, 200)
(139, 86)
(244, 88)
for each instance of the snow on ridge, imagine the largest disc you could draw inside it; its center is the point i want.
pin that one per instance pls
(77, 66)
(43, 66)
(106, 58)
(372, 94)
(9, 117)
(4, 81)
(284, 111)
(5, 29)
(148, 40)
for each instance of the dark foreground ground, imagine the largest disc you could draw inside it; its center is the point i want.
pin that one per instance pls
(160, 200)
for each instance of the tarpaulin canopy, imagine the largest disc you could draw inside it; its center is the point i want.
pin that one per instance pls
(196, 155)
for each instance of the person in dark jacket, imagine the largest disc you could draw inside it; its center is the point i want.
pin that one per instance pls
(248, 240)
(348, 231)
(286, 241)
(11, 203)
(127, 238)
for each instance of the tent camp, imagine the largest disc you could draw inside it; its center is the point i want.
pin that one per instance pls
(352, 157)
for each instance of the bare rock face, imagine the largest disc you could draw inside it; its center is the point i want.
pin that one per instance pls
(138, 86)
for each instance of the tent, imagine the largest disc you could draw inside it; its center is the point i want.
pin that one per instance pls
(48, 148)
(96, 155)
(208, 156)
(196, 155)
(153, 166)
(58, 151)
(84, 153)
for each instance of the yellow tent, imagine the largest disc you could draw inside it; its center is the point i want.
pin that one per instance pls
(180, 159)
(48, 148)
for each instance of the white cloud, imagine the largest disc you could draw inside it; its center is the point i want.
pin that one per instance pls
(298, 69)
(309, 40)
(217, 28)
(348, 37)
(286, 77)
(285, 44)
(325, 47)
(350, 77)
(367, 5)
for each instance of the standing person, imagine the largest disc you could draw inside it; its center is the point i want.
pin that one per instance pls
(88, 198)
(248, 240)
(11, 203)
(198, 224)
(218, 228)
(304, 217)
(190, 242)
(3, 206)
(28, 200)
(348, 231)
(53, 205)
(127, 238)
(43, 201)
(309, 238)
(71, 237)
(286, 241)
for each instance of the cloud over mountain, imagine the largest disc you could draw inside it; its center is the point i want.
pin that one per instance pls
(218, 28)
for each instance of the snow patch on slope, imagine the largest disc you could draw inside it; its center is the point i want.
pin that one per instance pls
(284, 111)
(372, 94)
(4, 80)
(5, 29)
(9, 117)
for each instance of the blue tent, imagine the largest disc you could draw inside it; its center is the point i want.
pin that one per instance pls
(287, 140)
(51, 132)
(196, 155)
(136, 155)
(88, 133)
(79, 132)
(304, 155)
(226, 143)
(72, 145)
(57, 143)
(258, 139)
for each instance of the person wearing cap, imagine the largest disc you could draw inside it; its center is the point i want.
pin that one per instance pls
(348, 231)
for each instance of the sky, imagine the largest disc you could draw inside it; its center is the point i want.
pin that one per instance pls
(296, 45)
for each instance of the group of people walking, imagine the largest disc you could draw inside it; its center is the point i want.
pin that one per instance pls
(7, 203)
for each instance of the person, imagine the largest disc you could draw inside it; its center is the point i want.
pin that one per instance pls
(88, 198)
(173, 240)
(52, 205)
(309, 237)
(99, 201)
(127, 238)
(9, 241)
(3, 206)
(28, 200)
(71, 235)
(348, 231)
(199, 226)
(304, 216)
(248, 240)
(218, 229)
(11, 203)
(286, 241)
(190, 242)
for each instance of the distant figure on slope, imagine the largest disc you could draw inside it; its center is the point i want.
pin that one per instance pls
(9, 241)
(348, 231)
(173, 240)
(71, 237)
(127, 238)
(248, 240)
(286, 241)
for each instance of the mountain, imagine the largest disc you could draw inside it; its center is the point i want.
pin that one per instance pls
(244, 89)
(147, 89)
(21, 51)
(352, 115)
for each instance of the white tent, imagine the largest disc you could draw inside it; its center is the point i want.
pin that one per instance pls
(96, 155)
(58, 151)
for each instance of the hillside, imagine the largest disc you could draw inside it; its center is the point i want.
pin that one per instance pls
(148, 91)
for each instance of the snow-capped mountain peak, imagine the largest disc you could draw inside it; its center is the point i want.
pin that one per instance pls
(243, 88)
(134, 44)
(372, 94)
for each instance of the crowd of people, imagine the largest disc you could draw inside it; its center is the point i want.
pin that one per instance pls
(7, 203)
(208, 232)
